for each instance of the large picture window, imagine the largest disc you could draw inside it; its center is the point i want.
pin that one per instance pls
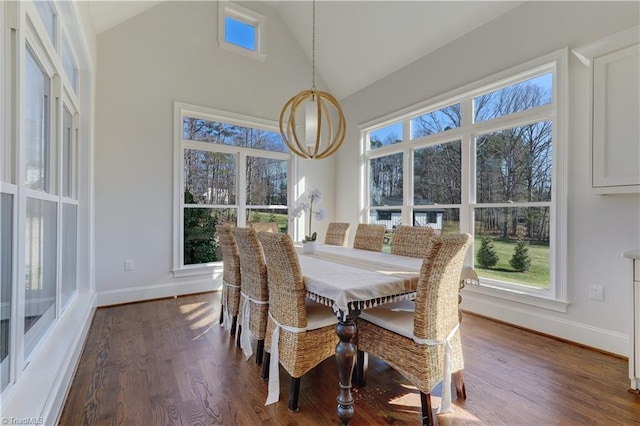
(486, 161)
(233, 170)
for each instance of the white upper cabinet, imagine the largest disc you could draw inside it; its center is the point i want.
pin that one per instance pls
(615, 111)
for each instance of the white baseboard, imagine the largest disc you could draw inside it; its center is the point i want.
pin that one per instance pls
(520, 315)
(41, 389)
(157, 291)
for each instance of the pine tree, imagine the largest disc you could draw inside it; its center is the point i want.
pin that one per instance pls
(487, 256)
(201, 242)
(521, 260)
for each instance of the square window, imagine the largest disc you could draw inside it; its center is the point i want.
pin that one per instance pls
(239, 33)
(241, 30)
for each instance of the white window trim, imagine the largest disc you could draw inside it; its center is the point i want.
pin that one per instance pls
(249, 17)
(556, 297)
(180, 110)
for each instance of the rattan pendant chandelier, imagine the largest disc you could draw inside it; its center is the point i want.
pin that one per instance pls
(312, 123)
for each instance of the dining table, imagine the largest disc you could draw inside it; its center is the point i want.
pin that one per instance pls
(350, 280)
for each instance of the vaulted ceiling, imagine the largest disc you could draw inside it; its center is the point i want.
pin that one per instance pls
(357, 42)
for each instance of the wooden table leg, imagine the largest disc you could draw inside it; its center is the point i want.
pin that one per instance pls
(345, 357)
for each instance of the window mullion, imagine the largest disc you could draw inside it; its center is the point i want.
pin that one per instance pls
(20, 201)
(516, 119)
(468, 168)
(73, 177)
(241, 182)
(56, 150)
(407, 183)
(365, 176)
(407, 180)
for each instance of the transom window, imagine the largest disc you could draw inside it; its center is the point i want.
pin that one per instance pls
(486, 161)
(229, 169)
(241, 30)
(69, 64)
(48, 17)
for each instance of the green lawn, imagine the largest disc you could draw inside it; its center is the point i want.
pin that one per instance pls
(537, 276)
(281, 219)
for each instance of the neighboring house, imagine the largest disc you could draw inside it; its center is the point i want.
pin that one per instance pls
(393, 217)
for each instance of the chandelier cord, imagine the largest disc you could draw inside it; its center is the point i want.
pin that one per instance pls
(313, 49)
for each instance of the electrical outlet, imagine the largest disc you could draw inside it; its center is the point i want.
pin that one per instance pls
(596, 292)
(128, 265)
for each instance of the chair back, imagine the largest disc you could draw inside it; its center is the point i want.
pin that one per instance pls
(411, 241)
(436, 308)
(230, 255)
(369, 237)
(265, 226)
(337, 234)
(287, 292)
(253, 269)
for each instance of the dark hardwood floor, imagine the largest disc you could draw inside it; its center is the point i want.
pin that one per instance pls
(167, 362)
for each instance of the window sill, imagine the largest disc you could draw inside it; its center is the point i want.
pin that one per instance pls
(189, 271)
(260, 56)
(494, 292)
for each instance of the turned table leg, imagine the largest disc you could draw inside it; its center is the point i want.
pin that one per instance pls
(345, 357)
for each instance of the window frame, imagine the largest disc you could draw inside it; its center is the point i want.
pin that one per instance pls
(182, 110)
(35, 44)
(68, 102)
(246, 16)
(554, 298)
(25, 34)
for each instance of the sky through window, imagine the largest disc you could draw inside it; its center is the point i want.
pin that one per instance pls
(240, 33)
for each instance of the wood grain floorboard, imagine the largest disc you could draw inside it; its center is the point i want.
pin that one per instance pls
(167, 362)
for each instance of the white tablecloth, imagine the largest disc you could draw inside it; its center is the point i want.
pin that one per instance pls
(347, 279)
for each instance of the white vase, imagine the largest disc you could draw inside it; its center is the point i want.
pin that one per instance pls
(309, 247)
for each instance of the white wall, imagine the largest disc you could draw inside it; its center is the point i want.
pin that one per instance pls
(171, 53)
(600, 228)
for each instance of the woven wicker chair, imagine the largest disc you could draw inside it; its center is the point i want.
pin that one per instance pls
(415, 343)
(300, 333)
(369, 237)
(411, 241)
(265, 226)
(254, 300)
(337, 234)
(230, 278)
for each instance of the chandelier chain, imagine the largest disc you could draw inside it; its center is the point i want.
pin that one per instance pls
(313, 49)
